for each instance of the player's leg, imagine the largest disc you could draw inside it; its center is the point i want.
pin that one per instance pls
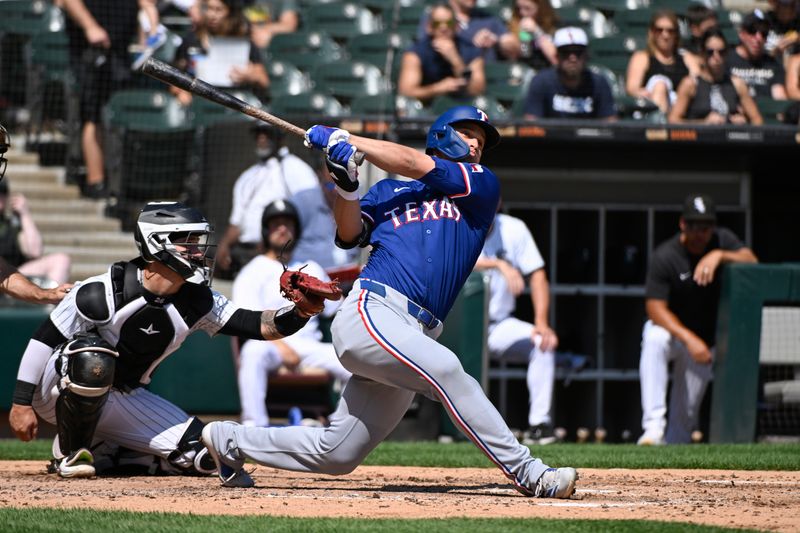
(689, 382)
(317, 354)
(54, 267)
(404, 355)
(654, 378)
(367, 412)
(256, 360)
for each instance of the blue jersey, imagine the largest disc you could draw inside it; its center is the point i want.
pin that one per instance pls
(427, 234)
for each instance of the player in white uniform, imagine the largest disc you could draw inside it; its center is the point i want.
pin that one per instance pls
(258, 287)
(509, 255)
(85, 369)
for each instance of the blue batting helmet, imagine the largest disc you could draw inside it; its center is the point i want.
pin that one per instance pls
(443, 138)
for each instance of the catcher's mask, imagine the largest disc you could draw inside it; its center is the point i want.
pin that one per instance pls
(5, 144)
(275, 136)
(179, 237)
(442, 137)
(280, 208)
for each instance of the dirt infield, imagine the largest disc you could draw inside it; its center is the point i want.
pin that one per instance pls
(759, 500)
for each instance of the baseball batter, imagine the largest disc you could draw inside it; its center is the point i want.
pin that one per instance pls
(85, 368)
(426, 235)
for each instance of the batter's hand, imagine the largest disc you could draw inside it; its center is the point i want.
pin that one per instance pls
(698, 350)
(343, 167)
(23, 422)
(319, 137)
(548, 338)
(707, 267)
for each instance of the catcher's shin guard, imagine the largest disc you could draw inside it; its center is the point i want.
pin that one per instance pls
(190, 456)
(84, 391)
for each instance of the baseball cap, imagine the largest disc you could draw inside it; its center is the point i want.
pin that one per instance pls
(699, 208)
(755, 21)
(570, 36)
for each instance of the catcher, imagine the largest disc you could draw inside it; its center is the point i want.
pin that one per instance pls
(85, 368)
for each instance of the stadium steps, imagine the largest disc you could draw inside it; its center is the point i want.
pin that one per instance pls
(68, 223)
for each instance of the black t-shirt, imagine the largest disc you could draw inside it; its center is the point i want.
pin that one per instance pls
(670, 278)
(760, 75)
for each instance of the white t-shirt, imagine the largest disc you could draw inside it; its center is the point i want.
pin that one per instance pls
(278, 178)
(511, 241)
(258, 287)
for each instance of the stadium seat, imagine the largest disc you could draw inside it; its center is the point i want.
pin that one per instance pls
(678, 6)
(591, 20)
(149, 140)
(407, 20)
(613, 6)
(307, 104)
(343, 21)
(305, 50)
(26, 17)
(771, 110)
(633, 22)
(375, 48)
(385, 7)
(285, 78)
(387, 104)
(494, 109)
(203, 112)
(507, 81)
(348, 79)
(617, 88)
(641, 109)
(615, 51)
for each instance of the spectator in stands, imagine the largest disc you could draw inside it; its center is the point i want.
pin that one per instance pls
(153, 33)
(99, 34)
(681, 298)
(259, 283)
(534, 22)
(509, 256)
(221, 18)
(441, 63)
(277, 175)
(481, 28)
(762, 73)
(700, 19)
(656, 72)
(268, 18)
(570, 89)
(12, 283)
(793, 77)
(783, 38)
(714, 96)
(21, 242)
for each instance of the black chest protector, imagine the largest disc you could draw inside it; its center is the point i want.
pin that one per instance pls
(148, 332)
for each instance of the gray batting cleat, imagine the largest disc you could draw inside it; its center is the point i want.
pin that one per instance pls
(77, 464)
(556, 483)
(231, 471)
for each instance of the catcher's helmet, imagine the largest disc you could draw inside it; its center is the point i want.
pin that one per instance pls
(5, 144)
(88, 342)
(280, 208)
(443, 138)
(179, 237)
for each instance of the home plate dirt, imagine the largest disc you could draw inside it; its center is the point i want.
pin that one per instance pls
(758, 500)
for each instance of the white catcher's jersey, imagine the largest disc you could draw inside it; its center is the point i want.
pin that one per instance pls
(510, 240)
(258, 287)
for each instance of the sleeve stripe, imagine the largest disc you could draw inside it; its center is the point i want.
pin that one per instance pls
(467, 183)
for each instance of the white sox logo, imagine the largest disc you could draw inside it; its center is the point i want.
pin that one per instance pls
(433, 210)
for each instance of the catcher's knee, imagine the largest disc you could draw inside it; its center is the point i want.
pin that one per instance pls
(190, 455)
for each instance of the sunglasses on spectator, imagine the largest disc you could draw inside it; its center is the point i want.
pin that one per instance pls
(699, 226)
(566, 51)
(668, 30)
(711, 51)
(449, 23)
(752, 30)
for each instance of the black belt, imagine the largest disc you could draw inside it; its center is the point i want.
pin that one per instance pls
(420, 313)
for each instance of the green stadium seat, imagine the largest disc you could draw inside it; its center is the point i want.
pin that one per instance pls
(613, 6)
(343, 21)
(634, 21)
(307, 104)
(204, 113)
(642, 109)
(149, 141)
(590, 19)
(494, 109)
(615, 51)
(385, 7)
(349, 79)
(26, 17)
(375, 48)
(305, 50)
(617, 88)
(771, 110)
(285, 78)
(678, 6)
(387, 105)
(407, 20)
(507, 81)
(409, 107)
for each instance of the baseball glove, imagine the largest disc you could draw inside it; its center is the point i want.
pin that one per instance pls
(307, 292)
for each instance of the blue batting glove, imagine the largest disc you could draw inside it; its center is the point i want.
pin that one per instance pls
(317, 136)
(341, 153)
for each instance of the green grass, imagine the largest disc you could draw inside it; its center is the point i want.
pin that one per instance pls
(464, 454)
(82, 521)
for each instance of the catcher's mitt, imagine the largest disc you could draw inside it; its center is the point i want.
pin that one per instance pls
(307, 292)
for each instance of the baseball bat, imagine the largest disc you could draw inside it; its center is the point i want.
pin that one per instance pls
(172, 76)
